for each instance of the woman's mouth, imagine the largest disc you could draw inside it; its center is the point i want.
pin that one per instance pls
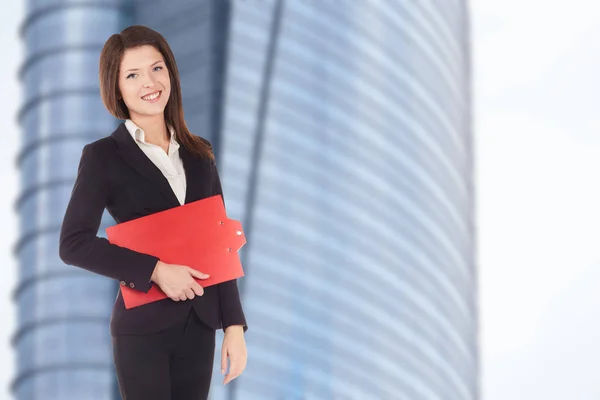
(152, 97)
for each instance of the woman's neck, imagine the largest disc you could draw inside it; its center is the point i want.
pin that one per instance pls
(154, 127)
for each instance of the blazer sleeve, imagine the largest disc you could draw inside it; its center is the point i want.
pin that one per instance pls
(229, 296)
(78, 243)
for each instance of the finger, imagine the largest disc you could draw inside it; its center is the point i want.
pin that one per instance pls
(189, 293)
(174, 297)
(234, 371)
(197, 274)
(197, 288)
(234, 367)
(228, 378)
(223, 359)
(182, 296)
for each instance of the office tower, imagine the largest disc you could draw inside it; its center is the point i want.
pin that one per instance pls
(343, 138)
(347, 155)
(62, 339)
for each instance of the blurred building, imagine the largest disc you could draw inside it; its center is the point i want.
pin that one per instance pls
(343, 138)
(63, 348)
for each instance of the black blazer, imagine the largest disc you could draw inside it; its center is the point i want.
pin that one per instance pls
(114, 173)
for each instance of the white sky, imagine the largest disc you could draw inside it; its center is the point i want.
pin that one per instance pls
(536, 85)
(10, 99)
(538, 154)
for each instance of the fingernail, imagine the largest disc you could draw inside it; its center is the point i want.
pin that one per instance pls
(222, 371)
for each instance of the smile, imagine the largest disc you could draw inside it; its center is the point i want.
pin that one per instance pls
(152, 97)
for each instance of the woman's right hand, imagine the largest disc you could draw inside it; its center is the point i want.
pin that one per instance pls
(177, 281)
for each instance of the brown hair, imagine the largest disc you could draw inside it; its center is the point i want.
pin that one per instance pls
(110, 63)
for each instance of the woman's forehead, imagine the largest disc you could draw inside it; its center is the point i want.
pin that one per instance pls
(140, 57)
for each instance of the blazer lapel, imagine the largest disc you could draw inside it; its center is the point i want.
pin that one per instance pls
(133, 155)
(190, 164)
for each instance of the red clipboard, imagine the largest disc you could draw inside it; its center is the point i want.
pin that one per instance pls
(196, 234)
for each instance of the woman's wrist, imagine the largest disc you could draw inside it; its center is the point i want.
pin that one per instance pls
(155, 272)
(233, 328)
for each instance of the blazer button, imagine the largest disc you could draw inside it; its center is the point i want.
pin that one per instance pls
(131, 285)
(123, 283)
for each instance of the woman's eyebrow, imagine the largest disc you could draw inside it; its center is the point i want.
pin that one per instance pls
(135, 69)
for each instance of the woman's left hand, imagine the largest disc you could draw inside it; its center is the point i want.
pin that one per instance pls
(234, 347)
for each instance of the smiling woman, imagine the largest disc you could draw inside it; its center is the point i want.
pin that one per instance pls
(139, 80)
(151, 163)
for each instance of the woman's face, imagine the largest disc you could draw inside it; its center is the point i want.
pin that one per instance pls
(144, 81)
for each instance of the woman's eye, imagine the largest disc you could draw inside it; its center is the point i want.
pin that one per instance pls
(130, 75)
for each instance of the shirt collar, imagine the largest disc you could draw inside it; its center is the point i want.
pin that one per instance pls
(138, 134)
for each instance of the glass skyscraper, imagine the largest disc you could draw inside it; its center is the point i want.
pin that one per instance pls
(347, 155)
(62, 339)
(343, 137)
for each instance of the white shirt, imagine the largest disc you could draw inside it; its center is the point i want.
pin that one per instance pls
(170, 165)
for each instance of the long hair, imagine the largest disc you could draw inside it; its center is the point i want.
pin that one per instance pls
(109, 68)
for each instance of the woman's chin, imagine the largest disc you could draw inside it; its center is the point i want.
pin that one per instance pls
(151, 109)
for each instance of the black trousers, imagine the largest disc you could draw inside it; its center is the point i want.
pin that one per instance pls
(173, 364)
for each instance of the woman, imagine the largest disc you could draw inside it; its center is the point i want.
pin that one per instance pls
(150, 163)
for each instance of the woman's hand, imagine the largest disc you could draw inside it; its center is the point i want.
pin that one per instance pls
(234, 347)
(177, 281)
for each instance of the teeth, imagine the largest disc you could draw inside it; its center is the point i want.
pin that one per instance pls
(152, 96)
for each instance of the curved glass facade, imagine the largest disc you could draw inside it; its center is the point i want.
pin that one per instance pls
(62, 336)
(347, 156)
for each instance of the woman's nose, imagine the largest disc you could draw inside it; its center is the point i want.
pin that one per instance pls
(149, 82)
